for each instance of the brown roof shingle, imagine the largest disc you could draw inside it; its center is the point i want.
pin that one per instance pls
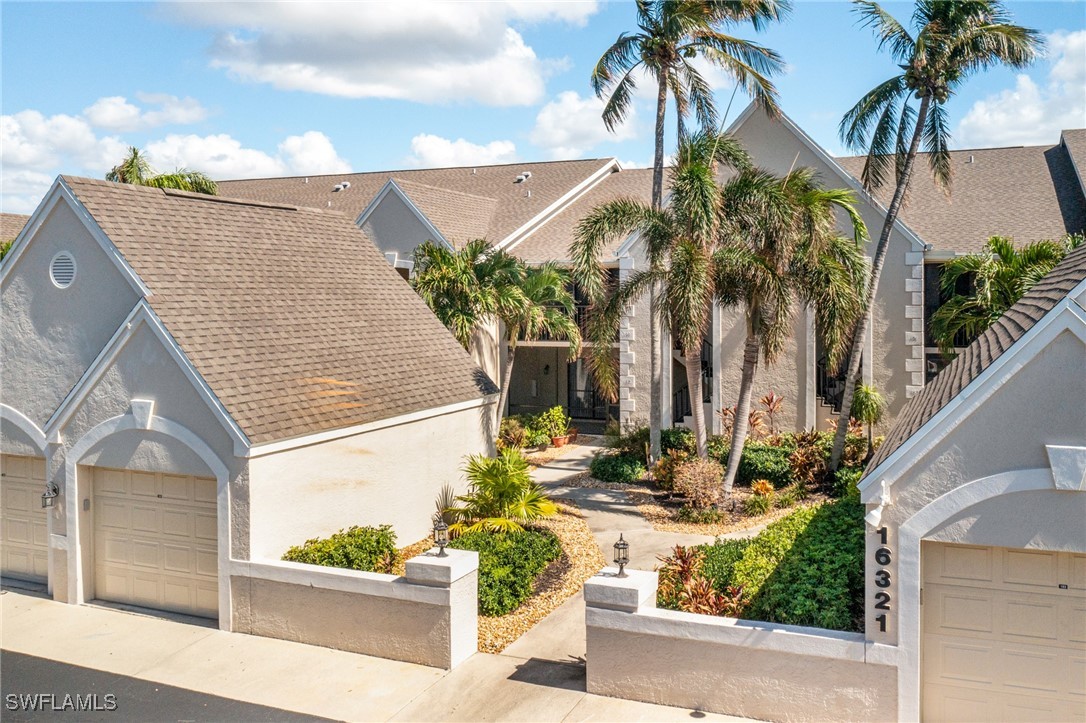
(11, 224)
(514, 206)
(460, 217)
(292, 317)
(1029, 193)
(979, 355)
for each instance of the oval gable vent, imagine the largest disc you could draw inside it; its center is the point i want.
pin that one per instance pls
(62, 270)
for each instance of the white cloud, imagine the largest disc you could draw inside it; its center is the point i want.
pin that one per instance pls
(312, 153)
(430, 151)
(570, 126)
(115, 113)
(1028, 113)
(222, 156)
(428, 51)
(29, 140)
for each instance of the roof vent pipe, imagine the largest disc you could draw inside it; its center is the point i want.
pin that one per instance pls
(528, 194)
(473, 171)
(307, 179)
(970, 159)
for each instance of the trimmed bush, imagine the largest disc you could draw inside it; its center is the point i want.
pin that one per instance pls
(633, 443)
(699, 481)
(663, 472)
(678, 439)
(720, 559)
(617, 468)
(508, 565)
(762, 461)
(845, 480)
(370, 549)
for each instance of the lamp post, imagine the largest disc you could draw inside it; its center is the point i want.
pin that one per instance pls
(441, 536)
(50, 495)
(622, 556)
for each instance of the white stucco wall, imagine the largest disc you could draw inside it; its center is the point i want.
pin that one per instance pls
(388, 476)
(394, 227)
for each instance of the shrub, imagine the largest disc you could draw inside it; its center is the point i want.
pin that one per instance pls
(702, 516)
(503, 495)
(720, 558)
(663, 472)
(844, 482)
(677, 439)
(699, 481)
(634, 443)
(685, 585)
(371, 549)
(617, 468)
(512, 434)
(508, 565)
(809, 459)
(761, 461)
(790, 495)
(554, 422)
(768, 548)
(762, 487)
(819, 581)
(757, 505)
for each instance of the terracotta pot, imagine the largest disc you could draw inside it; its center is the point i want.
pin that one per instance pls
(560, 441)
(573, 435)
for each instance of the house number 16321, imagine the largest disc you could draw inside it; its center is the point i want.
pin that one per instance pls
(883, 556)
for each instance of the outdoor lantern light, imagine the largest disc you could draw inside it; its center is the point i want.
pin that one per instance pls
(49, 496)
(441, 536)
(874, 517)
(622, 556)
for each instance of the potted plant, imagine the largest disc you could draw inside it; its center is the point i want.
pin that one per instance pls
(555, 423)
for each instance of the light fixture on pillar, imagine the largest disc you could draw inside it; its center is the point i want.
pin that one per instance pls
(622, 556)
(50, 495)
(441, 535)
(874, 517)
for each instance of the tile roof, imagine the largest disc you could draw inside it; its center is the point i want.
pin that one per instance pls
(514, 206)
(551, 241)
(293, 318)
(1029, 192)
(11, 224)
(460, 217)
(1075, 142)
(979, 355)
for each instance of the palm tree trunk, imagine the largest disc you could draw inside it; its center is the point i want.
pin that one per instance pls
(740, 422)
(697, 407)
(864, 322)
(506, 380)
(656, 361)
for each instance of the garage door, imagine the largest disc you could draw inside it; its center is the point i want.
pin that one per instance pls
(1004, 634)
(24, 554)
(155, 541)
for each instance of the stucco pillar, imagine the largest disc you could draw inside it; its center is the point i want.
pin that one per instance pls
(458, 571)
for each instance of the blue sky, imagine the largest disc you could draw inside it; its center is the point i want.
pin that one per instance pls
(252, 89)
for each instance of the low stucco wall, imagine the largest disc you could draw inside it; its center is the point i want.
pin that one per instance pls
(723, 665)
(426, 617)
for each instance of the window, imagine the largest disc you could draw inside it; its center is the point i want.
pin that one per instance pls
(935, 297)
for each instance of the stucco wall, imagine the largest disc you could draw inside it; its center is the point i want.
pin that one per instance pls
(50, 336)
(387, 476)
(545, 365)
(393, 227)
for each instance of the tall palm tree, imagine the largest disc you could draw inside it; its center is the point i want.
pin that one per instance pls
(999, 276)
(670, 34)
(782, 249)
(683, 250)
(136, 170)
(952, 40)
(546, 309)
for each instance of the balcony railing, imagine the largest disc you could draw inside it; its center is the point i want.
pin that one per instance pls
(830, 384)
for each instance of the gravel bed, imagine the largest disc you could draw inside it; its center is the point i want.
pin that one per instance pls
(663, 515)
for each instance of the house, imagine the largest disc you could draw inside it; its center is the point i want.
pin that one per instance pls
(531, 210)
(195, 383)
(976, 545)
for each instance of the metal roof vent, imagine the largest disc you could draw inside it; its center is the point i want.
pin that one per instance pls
(341, 186)
(62, 270)
(523, 177)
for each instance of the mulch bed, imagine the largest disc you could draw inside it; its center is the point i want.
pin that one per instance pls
(581, 559)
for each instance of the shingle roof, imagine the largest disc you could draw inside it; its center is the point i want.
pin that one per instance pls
(979, 355)
(293, 318)
(460, 217)
(11, 224)
(1075, 143)
(551, 241)
(514, 206)
(1029, 193)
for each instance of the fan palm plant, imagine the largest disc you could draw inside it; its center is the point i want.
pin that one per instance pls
(868, 407)
(136, 170)
(671, 33)
(546, 309)
(681, 243)
(503, 496)
(781, 249)
(952, 40)
(999, 276)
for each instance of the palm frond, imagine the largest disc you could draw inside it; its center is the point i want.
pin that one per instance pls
(891, 33)
(936, 143)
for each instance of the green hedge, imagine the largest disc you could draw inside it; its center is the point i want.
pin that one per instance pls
(677, 438)
(759, 461)
(617, 468)
(508, 565)
(371, 549)
(720, 560)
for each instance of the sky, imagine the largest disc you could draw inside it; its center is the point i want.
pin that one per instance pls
(251, 89)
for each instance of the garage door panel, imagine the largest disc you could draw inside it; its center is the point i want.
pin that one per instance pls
(167, 564)
(24, 526)
(1077, 575)
(205, 490)
(110, 481)
(1009, 649)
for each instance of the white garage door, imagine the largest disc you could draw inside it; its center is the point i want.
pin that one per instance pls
(24, 553)
(155, 541)
(1004, 636)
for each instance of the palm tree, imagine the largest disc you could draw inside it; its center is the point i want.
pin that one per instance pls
(781, 248)
(136, 170)
(952, 40)
(503, 496)
(682, 245)
(670, 34)
(546, 309)
(868, 407)
(999, 276)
